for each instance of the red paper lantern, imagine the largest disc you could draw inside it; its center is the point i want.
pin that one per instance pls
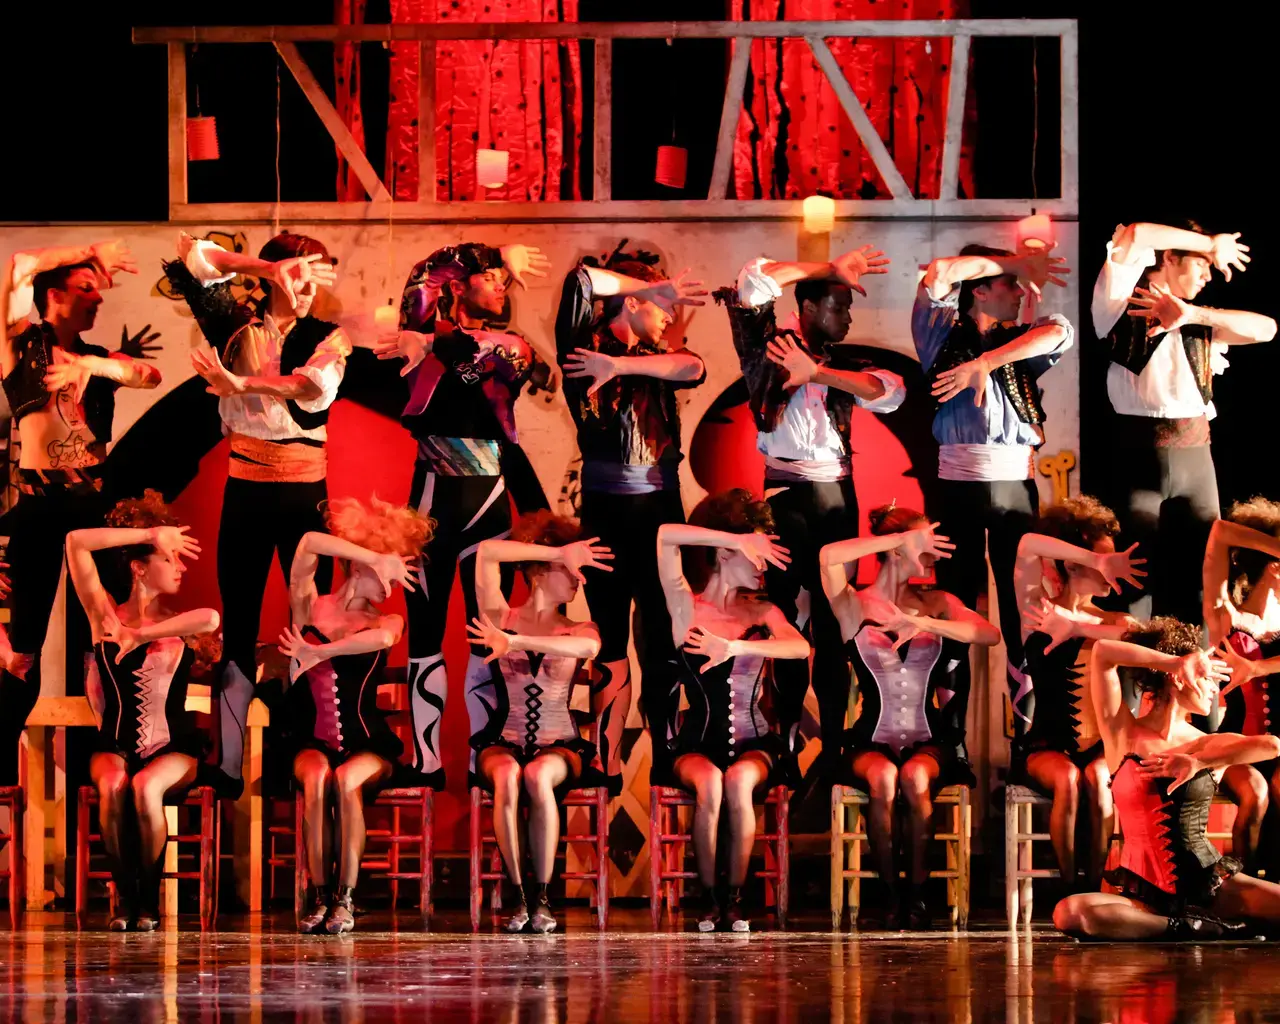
(202, 138)
(673, 165)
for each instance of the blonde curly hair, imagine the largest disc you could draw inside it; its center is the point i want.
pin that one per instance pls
(380, 526)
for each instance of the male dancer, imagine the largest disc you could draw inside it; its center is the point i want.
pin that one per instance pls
(61, 392)
(801, 397)
(276, 372)
(620, 382)
(986, 369)
(464, 379)
(1160, 383)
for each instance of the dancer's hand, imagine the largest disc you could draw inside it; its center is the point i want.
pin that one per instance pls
(716, 649)
(904, 626)
(924, 541)
(1051, 620)
(800, 366)
(1243, 670)
(1229, 252)
(1160, 305)
(295, 273)
(175, 542)
(597, 366)
(411, 346)
(972, 374)
(127, 638)
(303, 656)
(113, 257)
(850, 266)
(1201, 671)
(1178, 767)
(483, 633)
(222, 382)
(680, 290)
(524, 261)
(140, 344)
(1039, 267)
(586, 554)
(1121, 567)
(392, 569)
(6, 587)
(73, 374)
(763, 548)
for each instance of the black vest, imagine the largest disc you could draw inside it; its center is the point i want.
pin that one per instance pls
(964, 344)
(25, 390)
(300, 345)
(1132, 349)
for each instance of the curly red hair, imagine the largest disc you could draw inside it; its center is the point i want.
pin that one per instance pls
(380, 526)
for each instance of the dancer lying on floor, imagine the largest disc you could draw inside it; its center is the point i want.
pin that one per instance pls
(1172, 882)
(1067, 561)
(338, 646)
(726, 749)
(531, 741)
(906, 643)
(148, 744)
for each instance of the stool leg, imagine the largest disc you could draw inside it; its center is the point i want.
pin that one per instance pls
(1024, 857)
(301, 881)
(655, 859)
(837, 859)
(854, 900)
(476, 885)
(208, 857)
(1011, 818)
(426, 868)
(783, 813)
(17, 864)
(966, 851)
(602, 856)
(82, 857)
(953, 866)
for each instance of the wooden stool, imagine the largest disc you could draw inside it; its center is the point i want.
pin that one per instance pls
(848, 836)
(667, 854)
(282, 843)
(420, 801)
(13, 798)
(1019, 835)
(200, 797)
(594, 799)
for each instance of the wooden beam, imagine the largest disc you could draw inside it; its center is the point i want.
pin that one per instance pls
(956, 90)
(603, 148)
(338, 131)
(729, 112)
(426, 121)
(177, 124)
(1070, 144)
(403, 33)
(618, 211)
(880, 156)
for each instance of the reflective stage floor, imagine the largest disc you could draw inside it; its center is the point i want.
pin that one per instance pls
(257, 971)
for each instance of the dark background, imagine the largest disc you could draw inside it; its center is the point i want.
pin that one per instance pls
(1170, 127)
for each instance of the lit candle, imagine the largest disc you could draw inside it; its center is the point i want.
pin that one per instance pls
(819, 214)
(386, 318)
(491, 167)
(1035, 232)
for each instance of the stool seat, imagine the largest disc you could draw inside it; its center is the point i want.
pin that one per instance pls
(847, 837)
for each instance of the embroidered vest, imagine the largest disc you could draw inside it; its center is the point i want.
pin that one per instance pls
(1132, 349)
(964, 344)
(299, 346)
(25, 390)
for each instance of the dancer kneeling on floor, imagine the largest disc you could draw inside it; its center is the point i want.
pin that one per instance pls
(1172, 882)
(1068, 560)
(148, 743)
(338, 646)
(725, 748)
(906, 642)
(531, 740)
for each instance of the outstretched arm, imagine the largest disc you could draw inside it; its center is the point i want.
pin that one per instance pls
(1034, 268)
(835, 559)
(1116, 567)
(1224, 250)
(1223, 536)
(583, 642)
(786, 642)
(390, 569)
(1052, 337)
(492, 553)
(950, 618)
(305, 655)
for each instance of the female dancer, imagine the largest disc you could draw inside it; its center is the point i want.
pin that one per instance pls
(905, 642)
(728, 633)
(338, 646)
(1172, 882)
(148, 743)
(536, 651)
(1068, 560)
(1242, 618)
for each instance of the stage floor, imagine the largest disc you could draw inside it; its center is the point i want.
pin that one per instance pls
(258, 971)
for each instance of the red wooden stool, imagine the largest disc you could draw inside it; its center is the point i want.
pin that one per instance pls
(282, 843)
(203, 799)
(13, 798)
(594, 798)
(419, 801)
(667, 855)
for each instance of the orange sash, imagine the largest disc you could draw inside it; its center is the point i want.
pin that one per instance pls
(274, 462)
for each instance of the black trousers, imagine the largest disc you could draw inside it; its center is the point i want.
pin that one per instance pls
(809, 516)
(628, 524)
(1166, 499)
(38, 528)
(261, 523)
(467, 510)
(988, 519)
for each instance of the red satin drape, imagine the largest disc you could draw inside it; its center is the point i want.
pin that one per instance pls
(522, 97)
(793, 137)
(346, 78)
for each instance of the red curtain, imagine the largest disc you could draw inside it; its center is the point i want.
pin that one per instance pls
(346, 77)
(521, 97)
(793, 136)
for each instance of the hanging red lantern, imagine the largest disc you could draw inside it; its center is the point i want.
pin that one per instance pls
(202, 138)
(673, 166)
